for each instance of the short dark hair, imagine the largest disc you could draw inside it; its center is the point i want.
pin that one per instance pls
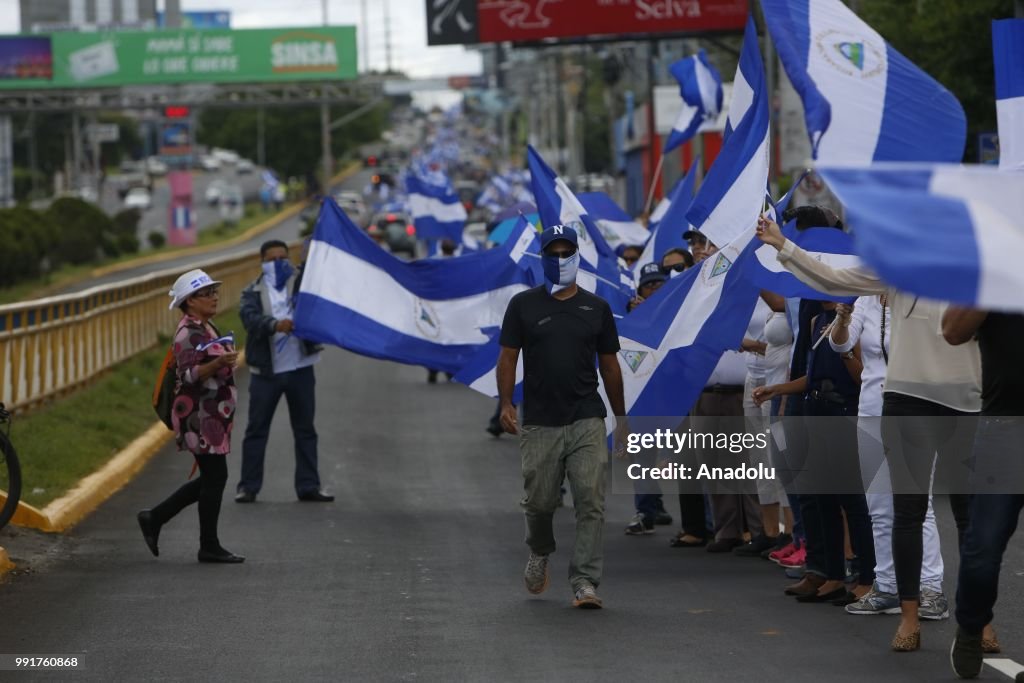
(270, 244)
(812, 217)
(687, 256)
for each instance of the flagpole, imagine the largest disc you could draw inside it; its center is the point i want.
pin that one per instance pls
(654, 184)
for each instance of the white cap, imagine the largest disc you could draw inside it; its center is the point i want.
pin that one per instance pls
(187, 285)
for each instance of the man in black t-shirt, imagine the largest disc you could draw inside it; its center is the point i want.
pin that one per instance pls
(996, 473)
(562, 329)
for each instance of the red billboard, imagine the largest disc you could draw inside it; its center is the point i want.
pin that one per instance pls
(530, 20)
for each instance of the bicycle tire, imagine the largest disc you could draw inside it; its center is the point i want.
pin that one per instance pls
(9, 461)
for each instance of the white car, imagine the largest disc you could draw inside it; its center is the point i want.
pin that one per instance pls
(208, 162)
(155, 167)
(244, 166)
(225, 156)
(214, 192)
(138, 198)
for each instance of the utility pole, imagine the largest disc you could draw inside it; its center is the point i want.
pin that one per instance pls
(387, 34)
(366, 38)
(325, 132)
(261, 137)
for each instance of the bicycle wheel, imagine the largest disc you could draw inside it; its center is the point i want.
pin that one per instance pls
(10, 479)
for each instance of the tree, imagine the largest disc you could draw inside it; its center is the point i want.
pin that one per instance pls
(952, 41)
(291, 135)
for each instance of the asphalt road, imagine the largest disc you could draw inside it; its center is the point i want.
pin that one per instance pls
(155, 218)
(414, 573)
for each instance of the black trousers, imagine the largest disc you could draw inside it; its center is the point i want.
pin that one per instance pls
(918, 435)
(207, 490)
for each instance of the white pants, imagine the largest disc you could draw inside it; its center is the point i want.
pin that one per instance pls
(880, 507)
(769, 491)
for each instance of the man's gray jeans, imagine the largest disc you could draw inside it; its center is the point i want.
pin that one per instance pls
(579, 451)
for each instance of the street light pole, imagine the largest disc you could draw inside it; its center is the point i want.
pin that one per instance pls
(325, 132)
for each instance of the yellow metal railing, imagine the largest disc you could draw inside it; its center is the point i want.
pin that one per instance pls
(51, 346)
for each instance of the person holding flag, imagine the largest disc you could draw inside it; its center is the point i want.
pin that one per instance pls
(562, 329)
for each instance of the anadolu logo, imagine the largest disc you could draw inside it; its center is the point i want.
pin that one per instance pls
(303, 52)
(851, 54)
(426, 319)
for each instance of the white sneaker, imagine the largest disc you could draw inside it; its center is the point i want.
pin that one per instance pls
(586, 598)
(536, 574)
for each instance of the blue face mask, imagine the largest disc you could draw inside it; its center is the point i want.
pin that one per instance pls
(559, 273)
(277, 272)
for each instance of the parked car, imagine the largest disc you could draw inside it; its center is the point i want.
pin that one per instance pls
(214, 191)
(399, 233)
(133, 175)
(138, 198)
(353, 205)
(155, 167)
(244, 166)
(208, 162)
(224, 156)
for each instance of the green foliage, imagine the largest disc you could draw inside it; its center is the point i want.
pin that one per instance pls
(952, 41)
(127, 244)
(291, 135)
(23, 184)
(27, 237)
(126, 221)
(156, 239)
(84, 229)
(597, 154)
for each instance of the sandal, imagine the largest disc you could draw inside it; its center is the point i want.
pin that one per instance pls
(679, 542)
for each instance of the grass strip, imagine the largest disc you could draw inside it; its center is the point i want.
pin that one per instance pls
(73, 437)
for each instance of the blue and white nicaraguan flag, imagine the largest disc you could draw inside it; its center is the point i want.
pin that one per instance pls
(430, 312)
(731, 198)
(940, 231)
(828, 245)
(599, 270)
(1008, 51)
(863, 100)
(436, 210)
(667, 232)
(615, 224)
(672, 342)
(700, 86)
(480, 372)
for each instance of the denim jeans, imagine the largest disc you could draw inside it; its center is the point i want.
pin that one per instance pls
(265, 391)
(578, 451)
(993, 520)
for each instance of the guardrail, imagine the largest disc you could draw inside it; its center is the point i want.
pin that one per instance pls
(52, 346)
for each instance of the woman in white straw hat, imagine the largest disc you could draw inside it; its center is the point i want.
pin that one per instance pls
(202, 413)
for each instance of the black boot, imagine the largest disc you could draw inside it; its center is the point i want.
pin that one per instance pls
(150, 531)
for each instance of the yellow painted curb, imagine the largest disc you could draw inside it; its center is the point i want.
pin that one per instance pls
(95, 489)
(5, 562)
(255, 230)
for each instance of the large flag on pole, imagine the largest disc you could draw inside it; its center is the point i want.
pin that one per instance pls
(731, 198)
(671, 343)
(615, 224)
(668, 232)
(700, 86)
(599, 270)
(863, 100)
(1008, 51)
(436, 209)
(942, 231)
(430, 312)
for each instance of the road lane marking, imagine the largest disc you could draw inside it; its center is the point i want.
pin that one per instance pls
(1005, 666)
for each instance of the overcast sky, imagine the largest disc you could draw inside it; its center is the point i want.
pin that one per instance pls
(408, 28)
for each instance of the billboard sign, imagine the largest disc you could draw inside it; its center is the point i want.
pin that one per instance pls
(491, 21)
(25, 58)
(115, 59)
